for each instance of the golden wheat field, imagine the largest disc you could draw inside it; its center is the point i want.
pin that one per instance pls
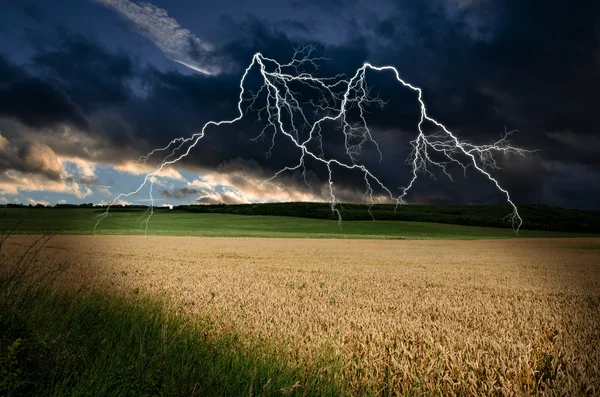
(510, 317)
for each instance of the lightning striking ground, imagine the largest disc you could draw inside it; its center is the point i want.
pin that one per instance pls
(284, 114)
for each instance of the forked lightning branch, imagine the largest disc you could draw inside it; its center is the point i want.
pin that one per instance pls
(286, 112)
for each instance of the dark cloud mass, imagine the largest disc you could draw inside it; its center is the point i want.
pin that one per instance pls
(484, 66)
(33, 12)
(92, 76)
(30, 158)
(34, 101)
(180, 193)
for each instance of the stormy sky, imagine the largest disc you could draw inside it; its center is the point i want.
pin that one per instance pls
(89, 86)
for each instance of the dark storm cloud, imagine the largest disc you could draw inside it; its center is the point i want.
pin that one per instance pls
(29, 158)
(93, 77)
(482, 65)
(33, 101)
(79, 82)
(256, 35)
(179, 193)
(536, 69)
(170, 105)
(533, 66)
(542, 68)
(33, 12)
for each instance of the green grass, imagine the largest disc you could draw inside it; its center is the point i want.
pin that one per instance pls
(106, 345)
(182, 223)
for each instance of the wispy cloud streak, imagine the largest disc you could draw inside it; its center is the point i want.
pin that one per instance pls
(176, 42)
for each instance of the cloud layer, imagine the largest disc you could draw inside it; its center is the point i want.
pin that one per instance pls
(482, 65)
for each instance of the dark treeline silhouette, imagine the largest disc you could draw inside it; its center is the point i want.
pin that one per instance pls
(84, 205)
(535, 217)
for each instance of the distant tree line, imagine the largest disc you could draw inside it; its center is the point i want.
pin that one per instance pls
(11, 205)
(535, 217)
(83, 205)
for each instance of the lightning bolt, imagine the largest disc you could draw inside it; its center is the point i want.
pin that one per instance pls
(285, 114)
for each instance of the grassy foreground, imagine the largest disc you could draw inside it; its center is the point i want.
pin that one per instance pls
(101, 345)
(94, 342)
(183, 223)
